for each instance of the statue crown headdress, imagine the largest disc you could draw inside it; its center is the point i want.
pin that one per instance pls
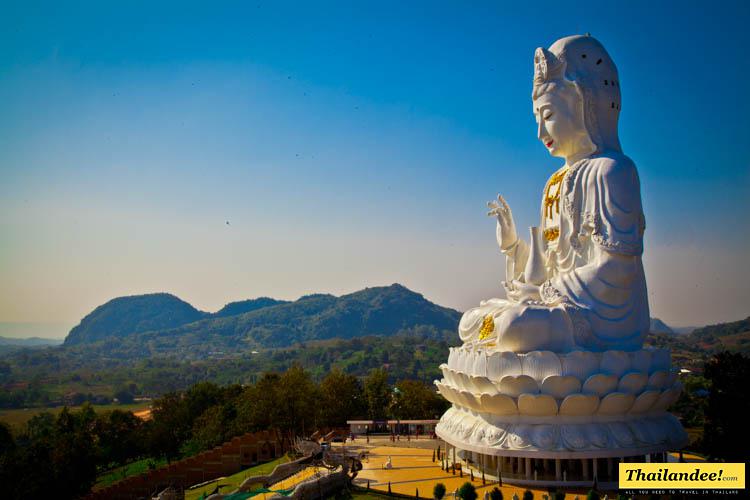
(547, 66)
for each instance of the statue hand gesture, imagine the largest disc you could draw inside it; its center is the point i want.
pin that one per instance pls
(506, 228)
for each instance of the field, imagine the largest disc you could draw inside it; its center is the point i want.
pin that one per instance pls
(18, 418)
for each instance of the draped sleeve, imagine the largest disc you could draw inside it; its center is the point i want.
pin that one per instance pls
(606, 193)
(598, 272)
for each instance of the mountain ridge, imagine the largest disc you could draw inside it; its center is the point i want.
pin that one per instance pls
(266, 322)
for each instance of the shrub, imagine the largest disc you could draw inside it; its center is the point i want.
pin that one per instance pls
(467, 491)
(528, 495)
(439, 491)
(592, 495)
(496, 494)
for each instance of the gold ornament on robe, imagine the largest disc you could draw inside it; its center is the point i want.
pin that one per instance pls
(552, 202)
(551, 233)
(488, 327)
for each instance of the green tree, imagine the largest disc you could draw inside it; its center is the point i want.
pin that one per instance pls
(120, 436)
(213, 427)
(258, 406)
(414, 400)
(170, 426)
(467, 491)
(378, 394)
(341, 398)
(298, 401)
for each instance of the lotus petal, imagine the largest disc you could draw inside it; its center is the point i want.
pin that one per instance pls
(498, 404)
(515, 386)
(468, 359)
(461, 360)
(632, 383)
(645, 401)
(622, 434)
(579, 404)
(616, 403)
(480, 364)
(538, 405)
(545, 437)
(558, 386)
(454, 380)
(641, 361)
(520, 437)
(452, 354)
(446, 392)
(658, 430)
(574, 436)
(465, 382)
(668, 398)
(483, 384)
(500, 364)
(641, 432)
(446, 371)
(658, 380)
(615, 363)
(541, 364)
(597, 435)
(600, 384)
(470, 400)
(661, 360)
(580, 364)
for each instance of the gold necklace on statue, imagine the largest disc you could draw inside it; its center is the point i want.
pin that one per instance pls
(552, 201)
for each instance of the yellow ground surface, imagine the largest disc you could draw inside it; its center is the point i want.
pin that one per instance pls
(297, 478)
(292, 481)
(414, 469)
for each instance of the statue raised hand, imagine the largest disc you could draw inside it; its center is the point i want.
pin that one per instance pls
(506, 228)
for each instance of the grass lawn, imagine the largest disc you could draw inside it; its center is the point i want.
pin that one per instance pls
(233, 482)
(114, 475)
(18, 418)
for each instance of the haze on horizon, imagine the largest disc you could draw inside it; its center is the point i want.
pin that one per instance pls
(280, 149)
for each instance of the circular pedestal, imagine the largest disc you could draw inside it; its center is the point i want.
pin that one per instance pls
(548, 418)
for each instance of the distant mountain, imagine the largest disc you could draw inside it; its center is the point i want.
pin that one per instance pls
(658, 326)
(124, 316)
(29, 342)
(723, 329)
(734, 336)
(245, 306)
(381, 311)
(384, 311)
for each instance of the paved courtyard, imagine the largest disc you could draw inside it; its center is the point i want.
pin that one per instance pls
(413, 469)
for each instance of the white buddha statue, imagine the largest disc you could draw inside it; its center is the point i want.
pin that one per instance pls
(580, 283)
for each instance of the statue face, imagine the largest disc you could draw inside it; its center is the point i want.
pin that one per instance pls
(559, 115)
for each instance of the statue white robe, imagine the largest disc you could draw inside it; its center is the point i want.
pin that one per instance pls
(595, 295)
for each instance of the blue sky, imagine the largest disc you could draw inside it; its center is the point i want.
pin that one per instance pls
(348, 144)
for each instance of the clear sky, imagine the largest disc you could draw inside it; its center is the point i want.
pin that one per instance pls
(222, 151)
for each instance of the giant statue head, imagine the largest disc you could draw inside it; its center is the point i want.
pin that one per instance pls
(576, 97)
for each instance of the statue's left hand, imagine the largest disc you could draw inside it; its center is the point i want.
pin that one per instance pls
(519, 291)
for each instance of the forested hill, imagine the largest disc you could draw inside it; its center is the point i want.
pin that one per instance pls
(125, 316)
(165, 322)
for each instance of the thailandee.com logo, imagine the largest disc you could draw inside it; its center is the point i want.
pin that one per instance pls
(640, 476)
